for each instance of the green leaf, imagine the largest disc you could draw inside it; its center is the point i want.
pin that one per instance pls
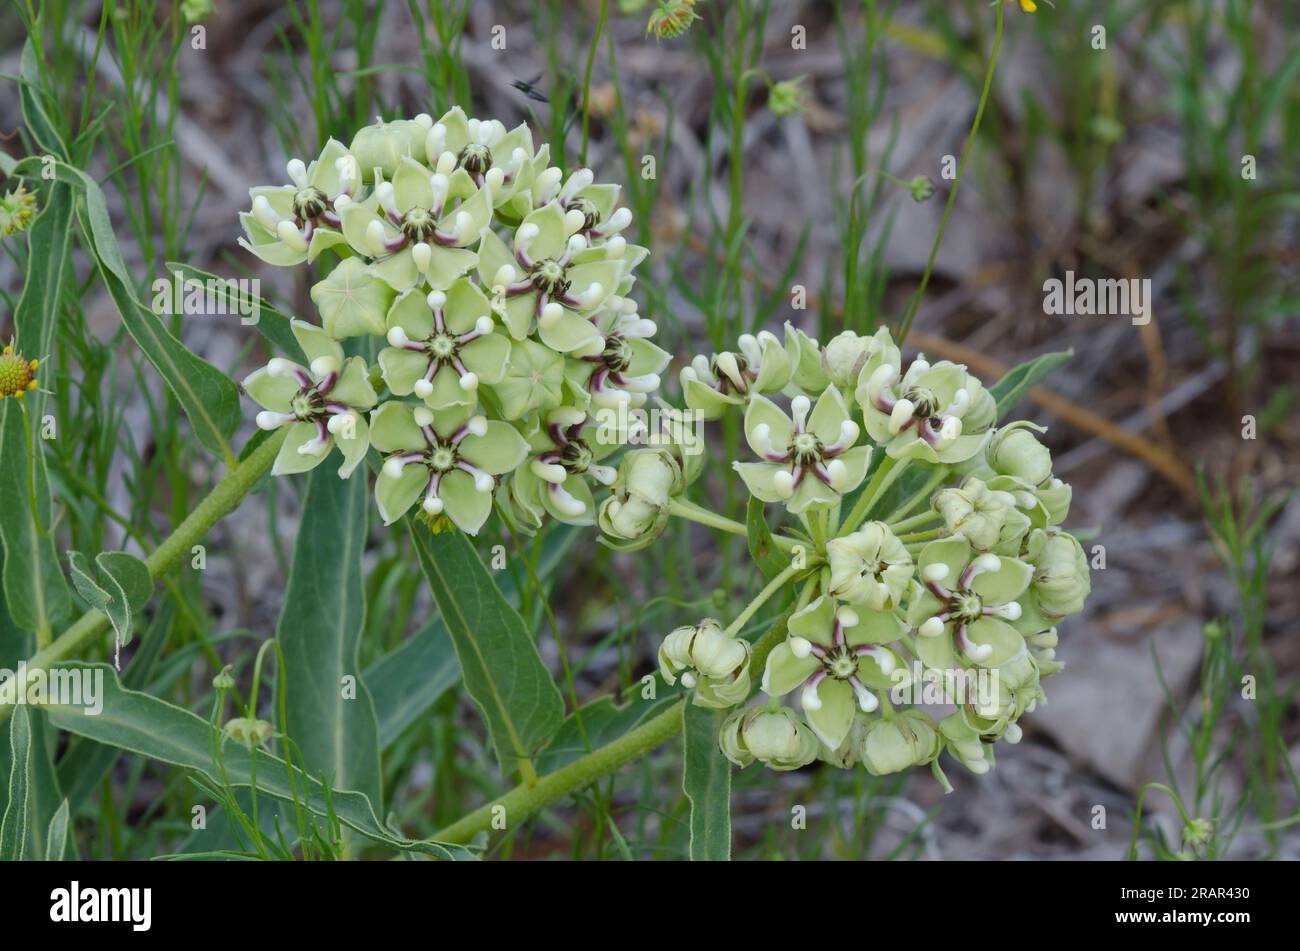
(13, 828)
(35, 591)
(209, 397)
(500, 664)
(272, 323)
(770, 559)
(159, 730)
(123, 587)
(56, 838)
(1011, 389)
(35, 116)
(706, 780)
(409, 679)
(320, 631)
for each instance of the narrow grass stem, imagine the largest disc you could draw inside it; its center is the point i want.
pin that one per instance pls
(220, 502)
(906, 324)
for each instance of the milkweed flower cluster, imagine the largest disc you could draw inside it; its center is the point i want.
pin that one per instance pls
(925, 558)
(497, 287)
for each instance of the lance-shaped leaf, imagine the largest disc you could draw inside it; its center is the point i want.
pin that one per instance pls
(120, 587)
(13, 827)
(269, 321)
(706, 780)
(159, 730)
(329, 711)
(209, 398)
(500, 664)
(1011, 389)
(762, 547)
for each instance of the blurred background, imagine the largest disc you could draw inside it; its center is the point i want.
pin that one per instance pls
(1147, 139)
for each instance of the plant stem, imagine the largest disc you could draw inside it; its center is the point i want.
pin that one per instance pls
(773, 586)
(906, 324)
(916, 521)
(687, 510)
(586, 82)
(885, 475)
(524, 800)
(220, 502)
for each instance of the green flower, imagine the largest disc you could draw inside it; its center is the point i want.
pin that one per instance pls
(837, 655)
(248, 732)
(922, 188)
(985, 517)
(810, 461)
(1013, 692)
(443, 345)
(293, 223)
(961, 608)
(17, 211)
(352, 301)
(671, 18)
(628, 367)
(713, 385)
(1062, 580)
(788, 97)
(965, 745)
(870, 567)
(908, 739)
(379, 148)
(636, 512)
(777, 738)
(543, 284)
(805, 356)
(449, 458)
(419, 227)
(322, 403)
(927, 413)
(709, 661)
(485, 150)
(566, 450)
(534, 380)
(847, 353)
(1014, 451)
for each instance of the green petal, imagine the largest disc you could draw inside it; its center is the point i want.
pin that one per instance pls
(568, 333)
(323, 174)
(832, 720)
(322, 239)
(478, 206)
(351, 301)
(354, 449)
(465, 305)
(776, 367)
(962, 448)
(856, 462)
(448, 392)
(604, 273)
(943, 379)
(497, 452)
(356, 218)
(763, 410)
(1004, 585)
(395, 496)
(402, 368)
(393, 429)
(576, 486)
(492, 255)
(827, 416)
(270, 392)
(954, 552)
(784, 671)
(758, 477)
(1001, 636)
(398, 270)
(290, 460)
(812, 494)
(937, 653)
(875, 627)
(411, 188)
(315, 341)
(457, 126)
(922, 605)
(873, 675)
(410, 311)
(551, 239)
(353, 386)
(815, 622)
(519, 313)
(705, 399)
(487, 356)
(646, 357)
(464, 504)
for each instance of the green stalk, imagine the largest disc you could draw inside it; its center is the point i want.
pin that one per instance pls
(885, 475)
(694, 513)
(525, 800)
(220, 502)
(906, 324)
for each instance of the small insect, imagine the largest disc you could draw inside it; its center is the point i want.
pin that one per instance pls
(529, 88)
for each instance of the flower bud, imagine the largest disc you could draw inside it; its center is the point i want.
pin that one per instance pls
(843, 358)
(869, 567)
(224, 680)
(1015, 451)
(713, 663)
(776, 737)
(383, 144)
(1062, 581)
(248, 732)
(975, 512)
(636, 511)
(891, 746)
(965, 745)
(788, 97)
(922, 188)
